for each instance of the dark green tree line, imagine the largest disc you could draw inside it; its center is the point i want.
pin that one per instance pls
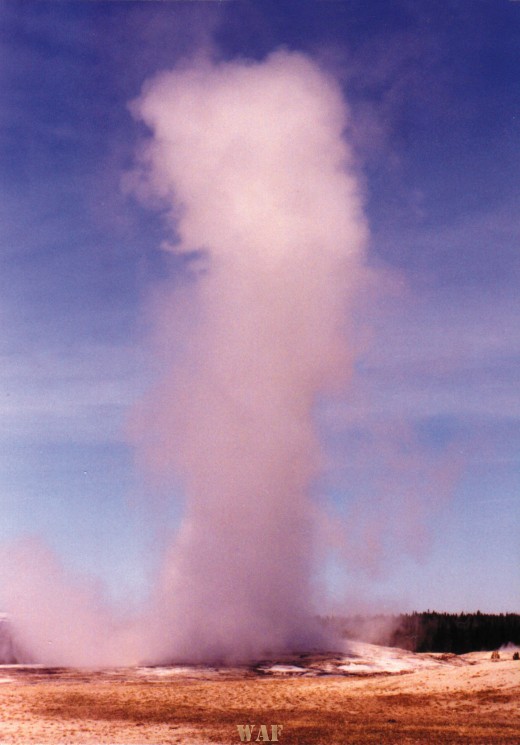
(434, 632)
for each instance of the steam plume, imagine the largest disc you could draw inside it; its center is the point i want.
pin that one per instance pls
(251, 160)
(60, 617)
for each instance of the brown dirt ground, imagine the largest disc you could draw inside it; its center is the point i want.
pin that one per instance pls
(478, 702)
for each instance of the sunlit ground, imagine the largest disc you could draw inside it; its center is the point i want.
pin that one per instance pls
(320, 699)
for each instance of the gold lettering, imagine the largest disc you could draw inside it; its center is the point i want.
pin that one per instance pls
(245, 731)
(262, 733)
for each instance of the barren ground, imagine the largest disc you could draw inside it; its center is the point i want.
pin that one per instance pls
(371, 696)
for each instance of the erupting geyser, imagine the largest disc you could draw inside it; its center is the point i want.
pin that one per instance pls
(252, 159)
(252, 162)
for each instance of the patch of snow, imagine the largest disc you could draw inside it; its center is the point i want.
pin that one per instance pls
(285, 669)
(166, 671)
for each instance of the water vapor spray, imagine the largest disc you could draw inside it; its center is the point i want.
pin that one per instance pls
(252, 162)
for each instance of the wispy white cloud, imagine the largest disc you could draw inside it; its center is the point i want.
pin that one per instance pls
(84, 396)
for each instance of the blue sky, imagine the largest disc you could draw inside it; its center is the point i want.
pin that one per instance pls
(435, 107)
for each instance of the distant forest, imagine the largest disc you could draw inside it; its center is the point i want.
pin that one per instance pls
(433, 632)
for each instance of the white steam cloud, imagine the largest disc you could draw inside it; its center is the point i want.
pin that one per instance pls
(252, 160)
